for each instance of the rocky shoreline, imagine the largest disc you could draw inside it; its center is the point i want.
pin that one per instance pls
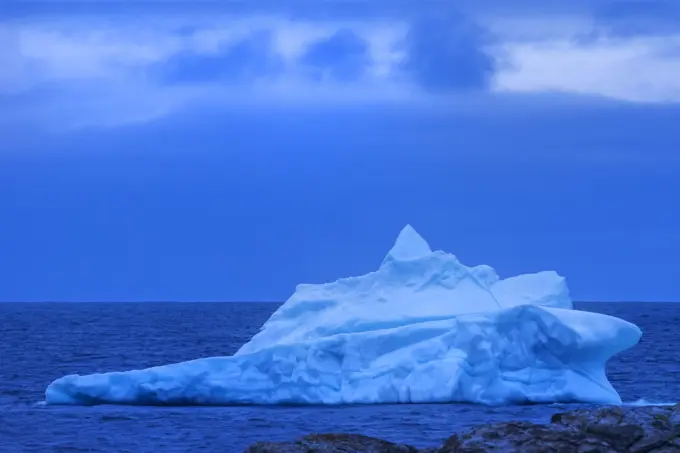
(609, 429)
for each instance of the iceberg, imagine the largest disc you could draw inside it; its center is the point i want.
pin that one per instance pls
(423, 328)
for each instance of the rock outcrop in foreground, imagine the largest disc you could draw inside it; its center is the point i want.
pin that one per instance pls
(649, 429)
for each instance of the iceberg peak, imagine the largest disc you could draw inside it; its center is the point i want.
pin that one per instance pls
(408, 246)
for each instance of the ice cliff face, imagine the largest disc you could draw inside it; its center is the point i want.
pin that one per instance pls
(422, 328)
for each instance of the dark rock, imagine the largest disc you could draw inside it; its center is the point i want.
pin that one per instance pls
(332, 443)
(609, 429)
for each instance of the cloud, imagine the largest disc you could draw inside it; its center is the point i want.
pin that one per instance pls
(625, 50)
(183, 60)
(344, 56)
(242, 61)
(448, 53)
(124, 67)
(639, 69)
(227, 49)
(639, 17)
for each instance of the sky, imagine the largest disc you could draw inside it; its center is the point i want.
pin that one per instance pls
(227, 151)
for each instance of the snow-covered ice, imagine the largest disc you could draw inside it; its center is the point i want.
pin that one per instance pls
(422, 328)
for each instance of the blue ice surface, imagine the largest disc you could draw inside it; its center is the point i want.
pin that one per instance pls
(423, 328)
(43, 341)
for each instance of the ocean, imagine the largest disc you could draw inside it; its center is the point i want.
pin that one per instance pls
(40, 342)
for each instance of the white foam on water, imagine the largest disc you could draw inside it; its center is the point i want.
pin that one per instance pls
(644, 402)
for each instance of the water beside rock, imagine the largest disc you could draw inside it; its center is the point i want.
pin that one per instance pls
(610, 429)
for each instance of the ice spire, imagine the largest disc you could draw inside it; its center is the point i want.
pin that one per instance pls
(408, 246)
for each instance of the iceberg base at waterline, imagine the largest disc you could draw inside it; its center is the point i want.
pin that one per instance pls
(423, 328)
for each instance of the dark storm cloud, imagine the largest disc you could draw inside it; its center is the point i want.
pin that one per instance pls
(447, 53)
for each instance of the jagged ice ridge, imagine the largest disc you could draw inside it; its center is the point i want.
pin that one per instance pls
(422, 328)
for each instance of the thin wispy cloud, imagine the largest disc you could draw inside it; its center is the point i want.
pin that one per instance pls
(233, 59)
(637, 69)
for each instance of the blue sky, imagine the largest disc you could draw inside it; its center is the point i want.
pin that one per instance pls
(228, 151)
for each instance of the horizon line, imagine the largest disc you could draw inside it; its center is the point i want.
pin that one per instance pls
(269, 302)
